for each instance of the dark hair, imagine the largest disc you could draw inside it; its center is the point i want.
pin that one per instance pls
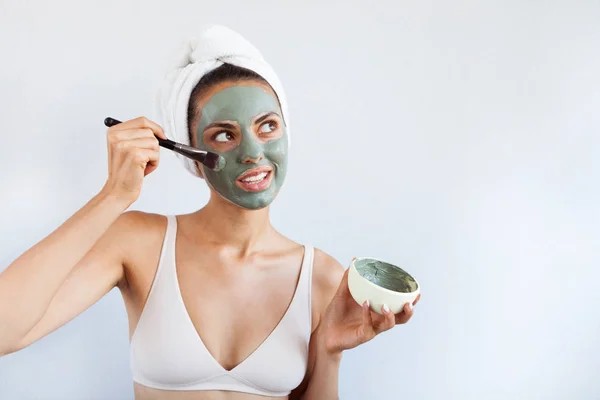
(224, 73)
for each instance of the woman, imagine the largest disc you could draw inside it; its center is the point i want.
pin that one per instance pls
(220, 305)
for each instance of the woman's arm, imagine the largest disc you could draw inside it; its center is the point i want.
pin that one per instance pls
(321, 379)
(82, 259)
(323, 375)
(29, 284)
(343, 325)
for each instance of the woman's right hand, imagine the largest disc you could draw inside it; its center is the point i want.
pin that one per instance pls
(133, 153)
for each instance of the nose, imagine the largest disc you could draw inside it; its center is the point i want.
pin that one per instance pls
(250, 160)
(251, 150)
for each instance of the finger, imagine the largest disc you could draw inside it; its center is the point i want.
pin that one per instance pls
(417, 300)
(153, 161)
(390, 318)
(143, 157)
(147, 143)
(116, 136)
(406, 314)
(140, 122)
(367, 324)
(345, 276)
(343, 287)
(386, 321)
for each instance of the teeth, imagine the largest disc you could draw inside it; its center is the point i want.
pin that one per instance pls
(255, 178)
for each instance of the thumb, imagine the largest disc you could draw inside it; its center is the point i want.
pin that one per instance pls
(343, 287)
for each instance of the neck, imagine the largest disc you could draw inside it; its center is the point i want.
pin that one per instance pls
(234, 227)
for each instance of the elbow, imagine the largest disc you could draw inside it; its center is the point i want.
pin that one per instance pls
(5, 350)
(12, 337)
(10, 346)
(13, 348)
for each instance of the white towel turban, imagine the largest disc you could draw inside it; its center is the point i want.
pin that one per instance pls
(215, 46)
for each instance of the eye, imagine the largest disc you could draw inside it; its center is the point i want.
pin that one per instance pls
(268, 127)
(223, 137)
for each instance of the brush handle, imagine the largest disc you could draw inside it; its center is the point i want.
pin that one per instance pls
(210, 160)
(166, 143)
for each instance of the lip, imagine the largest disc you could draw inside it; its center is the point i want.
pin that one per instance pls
(254, 171)
(255, 186)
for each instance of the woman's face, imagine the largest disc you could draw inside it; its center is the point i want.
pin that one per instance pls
(243, 123)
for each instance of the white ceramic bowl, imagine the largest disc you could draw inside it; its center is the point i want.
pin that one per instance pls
(363, 289)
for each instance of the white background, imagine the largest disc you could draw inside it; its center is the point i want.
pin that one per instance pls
(459, 139)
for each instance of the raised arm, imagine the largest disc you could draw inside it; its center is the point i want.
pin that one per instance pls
(81, 260)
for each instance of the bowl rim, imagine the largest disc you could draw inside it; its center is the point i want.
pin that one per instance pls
(386, 290)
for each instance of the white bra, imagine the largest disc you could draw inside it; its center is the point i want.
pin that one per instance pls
(167, 352)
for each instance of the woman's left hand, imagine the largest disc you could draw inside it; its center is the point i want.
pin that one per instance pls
(345, 324)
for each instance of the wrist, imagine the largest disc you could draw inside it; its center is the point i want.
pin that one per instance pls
(119, 203)
(335, 357)
(324, 347)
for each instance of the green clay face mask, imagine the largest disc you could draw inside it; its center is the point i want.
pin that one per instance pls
(386, 275)
(264, 159)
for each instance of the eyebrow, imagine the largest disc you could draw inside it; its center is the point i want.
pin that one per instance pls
(267, 115)
(223, 125)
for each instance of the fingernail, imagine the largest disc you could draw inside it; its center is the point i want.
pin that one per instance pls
(368, 303)
(386, 309)
(410, 306)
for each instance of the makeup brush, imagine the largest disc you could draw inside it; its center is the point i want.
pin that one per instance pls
(211, 160)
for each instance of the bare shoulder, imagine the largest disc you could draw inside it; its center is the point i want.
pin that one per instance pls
(327, 274)
(134, 228)
(139, 235)
(327, 271)
(139, 222)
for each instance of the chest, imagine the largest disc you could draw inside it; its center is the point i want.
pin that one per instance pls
(211, 321)
(235, 305)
